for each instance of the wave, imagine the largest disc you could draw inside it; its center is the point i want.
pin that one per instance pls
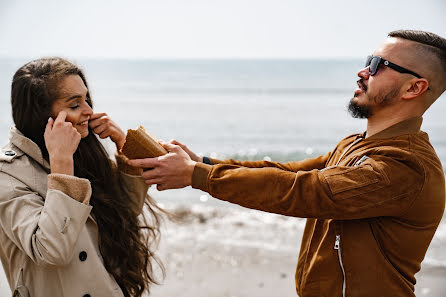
(275, 156)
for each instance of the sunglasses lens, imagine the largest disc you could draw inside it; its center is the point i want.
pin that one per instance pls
(367, 61)
(374, 64)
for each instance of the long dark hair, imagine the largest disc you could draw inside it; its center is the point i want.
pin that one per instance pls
(126, 242)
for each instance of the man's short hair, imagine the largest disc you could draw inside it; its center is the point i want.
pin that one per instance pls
(433, 43)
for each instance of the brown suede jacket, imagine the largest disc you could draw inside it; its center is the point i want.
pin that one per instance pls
(373, 205)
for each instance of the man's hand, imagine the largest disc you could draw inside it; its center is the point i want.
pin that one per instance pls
(191, 154)
(171, 171)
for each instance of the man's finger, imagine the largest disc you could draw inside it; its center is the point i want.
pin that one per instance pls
(162, 187)
(154, 181)
(169, 147)
(150, 174)
(61, 117)
(144, 163)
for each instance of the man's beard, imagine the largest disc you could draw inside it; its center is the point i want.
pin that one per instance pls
(359, 112)
(365, 111)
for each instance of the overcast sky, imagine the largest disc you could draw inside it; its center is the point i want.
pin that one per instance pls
(208, 28)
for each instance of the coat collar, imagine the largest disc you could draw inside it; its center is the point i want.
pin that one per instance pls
(408, 126)
(27, 146)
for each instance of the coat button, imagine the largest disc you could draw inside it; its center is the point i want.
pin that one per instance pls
(10, 153)
(83, 256)
(87, 295)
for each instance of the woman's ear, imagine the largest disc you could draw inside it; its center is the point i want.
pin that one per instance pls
(415, 88)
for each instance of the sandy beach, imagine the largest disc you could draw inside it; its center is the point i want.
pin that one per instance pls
(214, 252)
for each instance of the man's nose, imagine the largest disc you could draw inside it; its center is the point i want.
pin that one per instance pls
(364, 73)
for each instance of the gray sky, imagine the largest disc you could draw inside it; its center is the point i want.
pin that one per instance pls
(209, 28)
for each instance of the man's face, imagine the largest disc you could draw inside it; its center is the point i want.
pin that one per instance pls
(381, 90)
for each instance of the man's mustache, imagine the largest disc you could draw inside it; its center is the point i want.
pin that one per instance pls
(363, 86)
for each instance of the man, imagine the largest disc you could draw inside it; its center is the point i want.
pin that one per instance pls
(373, 203)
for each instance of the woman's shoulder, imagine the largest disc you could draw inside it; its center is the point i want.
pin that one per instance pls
(16, 168)
(9, 153)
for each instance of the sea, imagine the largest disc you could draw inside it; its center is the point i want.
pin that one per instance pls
(274, 109)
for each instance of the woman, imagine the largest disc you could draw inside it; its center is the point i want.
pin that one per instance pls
(70, 218)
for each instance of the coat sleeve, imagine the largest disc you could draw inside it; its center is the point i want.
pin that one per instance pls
(307, 164)
(45, 228)
(380, 186)
(132, 184)
(135, 189)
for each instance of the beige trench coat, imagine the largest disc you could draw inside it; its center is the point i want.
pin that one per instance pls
(49, 240)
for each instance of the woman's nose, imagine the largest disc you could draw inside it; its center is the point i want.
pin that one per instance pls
(87, 109)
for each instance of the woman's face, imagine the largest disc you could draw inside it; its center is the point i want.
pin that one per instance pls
(72, 99)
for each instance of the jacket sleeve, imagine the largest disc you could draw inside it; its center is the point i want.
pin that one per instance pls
(132, 184)
(307, 164)
(46, 229)
(380, 186)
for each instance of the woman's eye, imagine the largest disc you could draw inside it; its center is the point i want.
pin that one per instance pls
(74, 106)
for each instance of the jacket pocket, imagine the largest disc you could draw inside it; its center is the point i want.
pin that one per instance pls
(351, 178)
(348, 182)
(20, 289)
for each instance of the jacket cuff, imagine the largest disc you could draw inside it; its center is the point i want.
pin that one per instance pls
(215, 161)
(200, 176)
(121, 160)
(77, 188)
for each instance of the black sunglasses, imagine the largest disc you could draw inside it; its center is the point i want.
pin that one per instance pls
(375, 61)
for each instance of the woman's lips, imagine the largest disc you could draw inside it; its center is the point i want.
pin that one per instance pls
(84, 123)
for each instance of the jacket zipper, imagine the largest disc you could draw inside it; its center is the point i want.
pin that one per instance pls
(337, 247)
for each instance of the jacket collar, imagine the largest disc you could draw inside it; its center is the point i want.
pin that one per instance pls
(408, 126)
(27, 146)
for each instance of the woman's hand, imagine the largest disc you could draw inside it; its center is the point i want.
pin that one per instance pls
(103, 126)
(61, 141)
(191, 154)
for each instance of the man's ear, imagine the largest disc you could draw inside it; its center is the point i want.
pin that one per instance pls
(415, 88)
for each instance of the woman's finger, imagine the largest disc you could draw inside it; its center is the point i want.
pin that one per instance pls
(97, 122)
(98, 130)
(97, 115)
(61, 117)
(105, 134)
(49, 126)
